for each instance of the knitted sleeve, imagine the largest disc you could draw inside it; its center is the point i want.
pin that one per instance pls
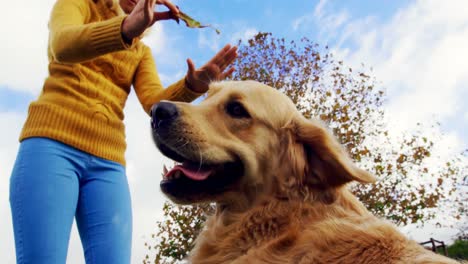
(72, 40)
(149, 89)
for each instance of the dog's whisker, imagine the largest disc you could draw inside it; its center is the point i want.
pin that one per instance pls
(201, 157)
(176, 143)
(183, 145)
(183, 141)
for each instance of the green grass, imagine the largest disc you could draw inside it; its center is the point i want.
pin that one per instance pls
(458, 250)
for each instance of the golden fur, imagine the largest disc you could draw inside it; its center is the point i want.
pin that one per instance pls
(291, 204)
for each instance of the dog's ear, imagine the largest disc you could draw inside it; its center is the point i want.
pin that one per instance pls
(326, 162)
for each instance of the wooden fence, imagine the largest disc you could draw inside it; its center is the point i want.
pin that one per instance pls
(435, 245)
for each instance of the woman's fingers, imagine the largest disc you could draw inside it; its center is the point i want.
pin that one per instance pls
(163, 16)
(218, 58)
(229, 57)
(172, 8)
(227, 73)
(215, 69)
(191, 67)
(149, 6)
(171, 14)
(225, 57)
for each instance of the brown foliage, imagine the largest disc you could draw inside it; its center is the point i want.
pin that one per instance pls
(176, 235)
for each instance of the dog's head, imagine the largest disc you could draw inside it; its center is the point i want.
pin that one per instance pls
(247, 140)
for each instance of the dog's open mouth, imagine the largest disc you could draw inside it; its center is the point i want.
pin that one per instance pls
(190, 180)
(190, 170)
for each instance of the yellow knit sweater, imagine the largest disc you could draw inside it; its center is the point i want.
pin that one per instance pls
(91, 71)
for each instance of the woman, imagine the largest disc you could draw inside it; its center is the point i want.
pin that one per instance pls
(71, 158)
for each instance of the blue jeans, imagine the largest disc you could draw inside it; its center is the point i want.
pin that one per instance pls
(53, 183)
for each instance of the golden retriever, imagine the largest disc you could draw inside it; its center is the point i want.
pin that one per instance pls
(278, 180)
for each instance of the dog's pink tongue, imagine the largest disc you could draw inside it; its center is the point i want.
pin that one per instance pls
(196, 174)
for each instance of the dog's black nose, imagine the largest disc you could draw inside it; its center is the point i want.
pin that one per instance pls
(163, 113)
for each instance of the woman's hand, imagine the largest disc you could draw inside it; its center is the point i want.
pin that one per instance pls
(143, 16)
(198, 80)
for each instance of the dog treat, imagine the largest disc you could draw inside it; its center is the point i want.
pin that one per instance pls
(192, 23)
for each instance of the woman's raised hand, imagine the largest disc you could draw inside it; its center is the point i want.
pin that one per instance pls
(215, 69)
(143, 16)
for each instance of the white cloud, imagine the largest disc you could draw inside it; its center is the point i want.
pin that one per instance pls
(214, 42)
(144, 170)
(423, 234)
(24, 46)
(243, 34)
(327, 22)
(418, 56)
(330, 23)
(155, 37)
(163, 45)
(210, 41)
(9, 143)
(319, 8)
(298, 22)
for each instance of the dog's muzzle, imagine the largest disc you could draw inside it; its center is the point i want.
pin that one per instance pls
(163, 114)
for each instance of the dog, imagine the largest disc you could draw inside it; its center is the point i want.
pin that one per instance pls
(278, 180)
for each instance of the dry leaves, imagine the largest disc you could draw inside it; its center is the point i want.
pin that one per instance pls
(192, 23)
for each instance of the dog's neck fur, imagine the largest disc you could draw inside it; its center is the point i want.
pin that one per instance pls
(232, 233)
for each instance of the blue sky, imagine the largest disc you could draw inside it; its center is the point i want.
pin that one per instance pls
(11, 100)
(239, 17)
(417, 50)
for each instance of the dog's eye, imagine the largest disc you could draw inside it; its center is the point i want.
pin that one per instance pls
(237, 110)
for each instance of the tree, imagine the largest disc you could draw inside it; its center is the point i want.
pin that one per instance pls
(176, 235)
(458, 250)
(350, 102)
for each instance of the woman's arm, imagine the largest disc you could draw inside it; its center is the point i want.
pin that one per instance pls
(149, 89)
(72, 41)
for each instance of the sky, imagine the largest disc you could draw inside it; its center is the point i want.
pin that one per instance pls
(417, 50)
